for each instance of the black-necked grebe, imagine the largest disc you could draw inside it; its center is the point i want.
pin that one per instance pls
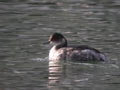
(80, 53)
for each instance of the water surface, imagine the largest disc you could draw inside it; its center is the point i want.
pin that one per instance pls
(26, 24)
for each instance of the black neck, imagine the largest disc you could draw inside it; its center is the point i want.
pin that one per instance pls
(62, 44)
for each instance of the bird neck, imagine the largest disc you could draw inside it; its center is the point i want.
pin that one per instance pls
(62, 43)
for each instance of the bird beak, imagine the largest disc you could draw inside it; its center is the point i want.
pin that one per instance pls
(48, 42)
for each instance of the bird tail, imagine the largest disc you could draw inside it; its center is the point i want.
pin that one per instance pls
(103, 57)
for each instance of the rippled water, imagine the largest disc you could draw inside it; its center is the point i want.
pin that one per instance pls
(26, 24)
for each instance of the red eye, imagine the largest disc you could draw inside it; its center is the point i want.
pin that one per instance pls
(51, 38)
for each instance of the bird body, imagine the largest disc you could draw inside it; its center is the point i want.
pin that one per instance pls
(61, 51)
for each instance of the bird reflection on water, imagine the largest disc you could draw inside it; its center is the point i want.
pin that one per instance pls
(56, 73)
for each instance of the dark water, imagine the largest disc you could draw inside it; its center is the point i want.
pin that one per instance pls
(26, 24)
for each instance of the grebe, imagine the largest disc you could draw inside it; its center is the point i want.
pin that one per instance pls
(78, 53)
